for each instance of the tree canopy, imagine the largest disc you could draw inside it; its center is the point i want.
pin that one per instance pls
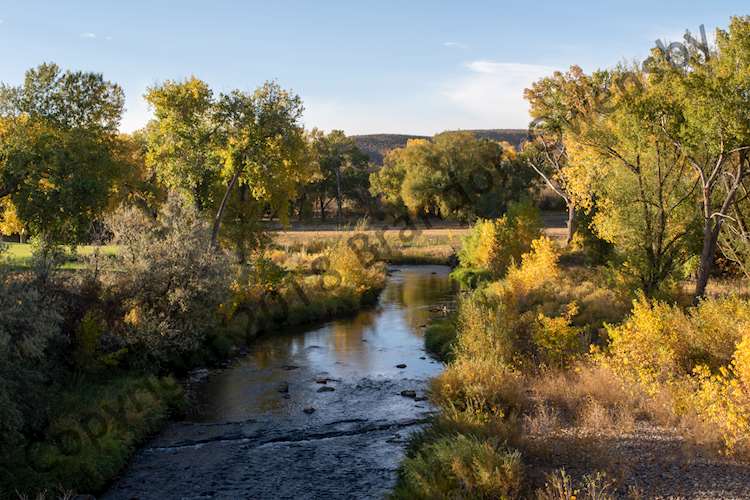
(57, 137)
(454, 175)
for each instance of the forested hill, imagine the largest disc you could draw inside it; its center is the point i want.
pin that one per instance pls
(376, 145)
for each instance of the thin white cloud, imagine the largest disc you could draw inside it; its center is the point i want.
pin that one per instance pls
(492, 93)
(455, 45)
(88, 35)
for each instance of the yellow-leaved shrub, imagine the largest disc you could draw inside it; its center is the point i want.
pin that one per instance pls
(649, 346)
(493, 246)
(699, 359)
(557, 341)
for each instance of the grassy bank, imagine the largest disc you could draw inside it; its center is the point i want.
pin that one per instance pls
(554, 362)
(95, 426)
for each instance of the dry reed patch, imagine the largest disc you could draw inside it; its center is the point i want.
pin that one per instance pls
(591, 397)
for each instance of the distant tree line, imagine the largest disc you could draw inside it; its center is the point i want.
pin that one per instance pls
(238, 158)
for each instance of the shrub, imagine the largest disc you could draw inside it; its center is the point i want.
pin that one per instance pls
(488, 328)
(354, 265)
(716, 327)
(560, 486)
(557, 341)
(538, 267)
(439, 338)
(29, 321)
(482, 385)
(682, 357)
(462, 467)
(493, 246)
(649, 347)
(719, 402)
(168, 281)
(660, 342)
(96, 428)
(742, 362)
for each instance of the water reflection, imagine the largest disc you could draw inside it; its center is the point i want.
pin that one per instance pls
(369, 344)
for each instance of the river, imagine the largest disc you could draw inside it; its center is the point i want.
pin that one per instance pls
(312, 413)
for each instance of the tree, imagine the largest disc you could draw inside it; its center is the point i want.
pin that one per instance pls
(553, 109)
(57, 134)
(343, 170)
(454, 175)
(181, 139)
(262, 148)
(703, 114)
(643, 196)
(137, 182)
(238, 153)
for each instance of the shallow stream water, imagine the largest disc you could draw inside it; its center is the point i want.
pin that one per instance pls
(311, 413)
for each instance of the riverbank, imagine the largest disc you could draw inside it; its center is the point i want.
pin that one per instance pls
(562, 385)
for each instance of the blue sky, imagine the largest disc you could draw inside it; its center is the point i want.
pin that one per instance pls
(365, 67)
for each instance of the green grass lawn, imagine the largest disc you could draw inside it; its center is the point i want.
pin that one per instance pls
(19, 254)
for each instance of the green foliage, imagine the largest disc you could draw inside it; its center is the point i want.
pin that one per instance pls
(180, 139)
(494, 245)
(92, 434)
(234, 155)
(168, 282)
(462, 467)
(454, 175)
(640, 187)
(29, 321)
(344, 171)
(439, 338)
(57, 141)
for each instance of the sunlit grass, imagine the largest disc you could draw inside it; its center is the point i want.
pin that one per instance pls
(19, 254)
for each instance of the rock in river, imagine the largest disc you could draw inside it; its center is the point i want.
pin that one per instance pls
(326, 389)
(409, 394)
(309, 410)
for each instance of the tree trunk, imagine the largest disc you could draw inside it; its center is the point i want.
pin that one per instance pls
(222, 207)
(322, 209)
(241, 241)
(710, 239)
(338, 194)
(572, 221)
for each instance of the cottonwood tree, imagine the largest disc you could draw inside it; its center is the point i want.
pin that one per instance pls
(643, 195)
(703, 113)
(182, 139)
(553, 108)
(343, 170)
(240, 153)
(137, 184)
(734, 239)
(262, 148)
(57, 136)
(454, 175)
